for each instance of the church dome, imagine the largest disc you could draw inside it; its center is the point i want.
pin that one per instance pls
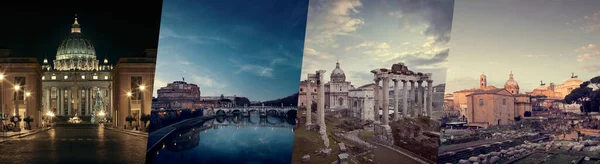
(75, 45)
(76, 52)
(511, 85)
(338, 75)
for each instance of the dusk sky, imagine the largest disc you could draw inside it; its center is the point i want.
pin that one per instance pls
(366, 35)
(539, 40)
(247, 48)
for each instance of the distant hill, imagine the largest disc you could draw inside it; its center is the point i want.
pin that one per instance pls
(287, 101)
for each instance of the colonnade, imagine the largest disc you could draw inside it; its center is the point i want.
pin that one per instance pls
(400, 73)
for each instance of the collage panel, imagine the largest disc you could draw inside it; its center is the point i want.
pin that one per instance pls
(373, 81)
(65, 71)
(226, 82)
(523, 80)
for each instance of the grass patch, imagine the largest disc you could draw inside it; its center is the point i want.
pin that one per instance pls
(367, 134)
(307, 142)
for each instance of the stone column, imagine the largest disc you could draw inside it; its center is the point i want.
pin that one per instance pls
(110, 106)
(419, 97)
(376, 97)
(90, 100)
(321, 98)
(386, 100)
(405, 99)
(321, 108)
(430, 97)
(412, 98)
(60, 100)
(396, 95)
(69, 103)
(309, 104)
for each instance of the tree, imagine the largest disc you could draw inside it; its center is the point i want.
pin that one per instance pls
(130, 119)
(577, 94)
(28, 120)
(145, 118)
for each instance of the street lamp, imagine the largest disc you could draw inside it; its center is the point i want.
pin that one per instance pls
(51, 115)
(142, 88)
(128, 104)
(27, 94)
(17, 88)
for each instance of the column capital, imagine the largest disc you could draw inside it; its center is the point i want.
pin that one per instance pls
(420, 81)
(429, 81)
(404, 81)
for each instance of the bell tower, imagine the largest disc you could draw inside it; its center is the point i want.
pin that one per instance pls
(482, 81)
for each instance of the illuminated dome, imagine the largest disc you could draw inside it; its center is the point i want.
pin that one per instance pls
(511, 85)
(76, 52)
(338, 75)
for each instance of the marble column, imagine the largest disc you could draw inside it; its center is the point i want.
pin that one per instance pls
(396, 95)
(90, 100)
(110, 105)
(405, 99)
(59, 103)
(386, 100)
(70, 100)
(81, 100)
(321, 95)
(412, 98)
(419, 97)
(430, 97)
(309, 104)
(376, 97)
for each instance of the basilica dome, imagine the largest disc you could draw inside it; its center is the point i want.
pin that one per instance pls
(338, 75)
(76, 52)
(511, 85)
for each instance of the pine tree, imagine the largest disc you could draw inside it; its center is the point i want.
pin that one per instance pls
(98, 107)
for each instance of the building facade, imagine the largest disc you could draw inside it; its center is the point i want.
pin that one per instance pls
(490, 107)
(362, 102)
(71, 81)
(336, 91)
(20, 89)
(133, 79)
(178, 95)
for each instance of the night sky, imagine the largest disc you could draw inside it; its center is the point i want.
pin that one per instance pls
(115, 28)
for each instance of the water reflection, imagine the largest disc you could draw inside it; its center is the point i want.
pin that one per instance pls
(252, 139)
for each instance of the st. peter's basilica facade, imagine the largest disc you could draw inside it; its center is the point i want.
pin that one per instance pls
(76, 84)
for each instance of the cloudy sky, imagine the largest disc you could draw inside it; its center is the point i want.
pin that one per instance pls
(248, 48)
(365, 35)
(539, 40)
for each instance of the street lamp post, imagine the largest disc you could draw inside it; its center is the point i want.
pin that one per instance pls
(27, 94)
(128, 106)
(1, 105)
(15, 113)
(140, 122)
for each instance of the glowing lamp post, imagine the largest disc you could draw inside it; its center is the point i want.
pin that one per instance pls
(15, 114)
(50, 116)
(140, 122)
(128, 104)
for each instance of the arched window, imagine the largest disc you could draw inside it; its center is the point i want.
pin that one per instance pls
(355, 104)
(480, 102)
(301, 89)
(503, 101)
(340, 101)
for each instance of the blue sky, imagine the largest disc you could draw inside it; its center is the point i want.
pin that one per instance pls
(365, 35)
(245, 48)
(539, 40)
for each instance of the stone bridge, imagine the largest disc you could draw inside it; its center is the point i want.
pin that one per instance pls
(250, 121)
(247, 111)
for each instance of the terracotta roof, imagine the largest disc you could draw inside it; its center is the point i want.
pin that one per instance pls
(491, 91)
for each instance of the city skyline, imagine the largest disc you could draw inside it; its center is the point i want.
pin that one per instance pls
(536, 40)
(37, 30)
(366, 35)
(249, 49)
